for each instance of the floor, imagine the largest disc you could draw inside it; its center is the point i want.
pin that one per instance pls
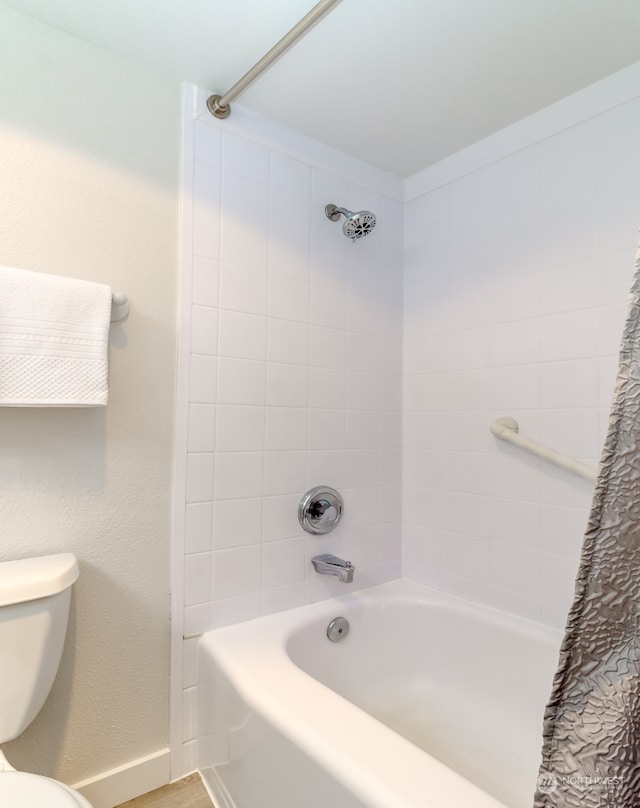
(186, 793)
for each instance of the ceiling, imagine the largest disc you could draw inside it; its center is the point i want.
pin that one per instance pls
(400, 84)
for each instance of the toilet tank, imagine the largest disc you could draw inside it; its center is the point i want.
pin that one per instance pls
(35, 594)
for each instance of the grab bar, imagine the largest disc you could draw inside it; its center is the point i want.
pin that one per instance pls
(507, 428)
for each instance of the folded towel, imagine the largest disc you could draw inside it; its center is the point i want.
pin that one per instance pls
(54, 335)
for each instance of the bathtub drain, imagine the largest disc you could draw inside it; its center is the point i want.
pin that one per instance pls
(338, 629)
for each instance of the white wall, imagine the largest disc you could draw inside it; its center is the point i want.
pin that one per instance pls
(89, 164)
(516, 280)
(295, 374)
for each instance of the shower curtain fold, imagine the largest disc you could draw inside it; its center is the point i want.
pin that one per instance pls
(591, 734)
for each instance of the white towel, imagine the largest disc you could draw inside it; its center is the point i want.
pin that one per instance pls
(54, 335)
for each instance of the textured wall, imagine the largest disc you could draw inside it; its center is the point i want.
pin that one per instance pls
(516, 282)
(89, 150)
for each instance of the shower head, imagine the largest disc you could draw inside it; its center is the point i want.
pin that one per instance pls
(356, 225)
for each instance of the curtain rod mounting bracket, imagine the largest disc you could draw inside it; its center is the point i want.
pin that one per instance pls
(216, 109)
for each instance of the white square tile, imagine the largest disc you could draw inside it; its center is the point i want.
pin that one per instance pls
(239, 428)
(360, 507)
(287, 385)
(204, 330)
(286, 428)
(570, 335)
(390, 467)
(562, 530)
(202, 428)
(328, 306)
(326, 429)
(362, 430)
(289, 246)
(569, 384)
(207, 143)
(237, 522)
(516, 387)
(325, 468)
(283, 562)
(198, 523)
(288, 298)
(281, 598)
(244, 237)
(327, 347)
(362, 390)
(517, 569)
(197, 579)
(228, 611)
(199, 477)
(206, 277)
(206, 186)
(390, 356)
(190, 662)
(515, 343)
(327, 388)
(196, 618)
(242, 336)
(289, 177)
(390, 430)
(611, 321)
(236, 571)
(361, 468)
(363, 352)
(189, 712)
(244, 157)
(288, 342)
(242, 381)
(242, 289)
(238, 475)
(280, 517)
(284, 473)
(516, 521)
(203, 379)
(206, 233)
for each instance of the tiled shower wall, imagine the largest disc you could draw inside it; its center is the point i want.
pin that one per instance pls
(295, 362)
(516, 281)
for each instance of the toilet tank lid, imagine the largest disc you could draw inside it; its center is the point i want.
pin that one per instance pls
(33, 578)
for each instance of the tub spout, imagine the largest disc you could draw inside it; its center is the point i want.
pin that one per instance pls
(328, 564)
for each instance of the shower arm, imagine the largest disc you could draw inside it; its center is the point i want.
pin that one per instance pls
(219, 105)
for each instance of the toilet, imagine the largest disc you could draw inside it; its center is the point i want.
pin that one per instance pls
(35, 594)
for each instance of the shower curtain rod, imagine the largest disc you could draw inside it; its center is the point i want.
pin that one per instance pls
(218, 105)
(506, 428)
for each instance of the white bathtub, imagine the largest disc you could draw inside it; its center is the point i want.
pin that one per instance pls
(430, 702)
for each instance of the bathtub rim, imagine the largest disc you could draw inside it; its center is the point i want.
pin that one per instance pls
(306, 711)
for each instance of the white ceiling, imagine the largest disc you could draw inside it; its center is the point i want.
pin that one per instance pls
(398, 83)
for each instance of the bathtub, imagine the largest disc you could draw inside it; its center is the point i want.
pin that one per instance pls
(429, 702)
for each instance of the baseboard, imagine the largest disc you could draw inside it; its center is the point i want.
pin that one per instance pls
(116, 786)
(216, 789)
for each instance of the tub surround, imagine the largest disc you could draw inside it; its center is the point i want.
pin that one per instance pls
(291, 357)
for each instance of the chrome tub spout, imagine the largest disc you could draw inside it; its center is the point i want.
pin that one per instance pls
(328, 564)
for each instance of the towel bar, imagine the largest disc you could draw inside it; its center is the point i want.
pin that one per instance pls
(119, 307)
(506, 428)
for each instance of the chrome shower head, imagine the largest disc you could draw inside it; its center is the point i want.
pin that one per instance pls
(356, 225)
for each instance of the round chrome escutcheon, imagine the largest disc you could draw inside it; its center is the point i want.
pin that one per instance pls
(320, 509)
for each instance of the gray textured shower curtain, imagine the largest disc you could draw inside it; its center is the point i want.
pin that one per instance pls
(591, 746)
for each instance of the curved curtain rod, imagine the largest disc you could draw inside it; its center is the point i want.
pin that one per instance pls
(506, 428)
(218, 105)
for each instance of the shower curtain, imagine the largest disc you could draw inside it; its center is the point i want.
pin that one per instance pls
(591, 735)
